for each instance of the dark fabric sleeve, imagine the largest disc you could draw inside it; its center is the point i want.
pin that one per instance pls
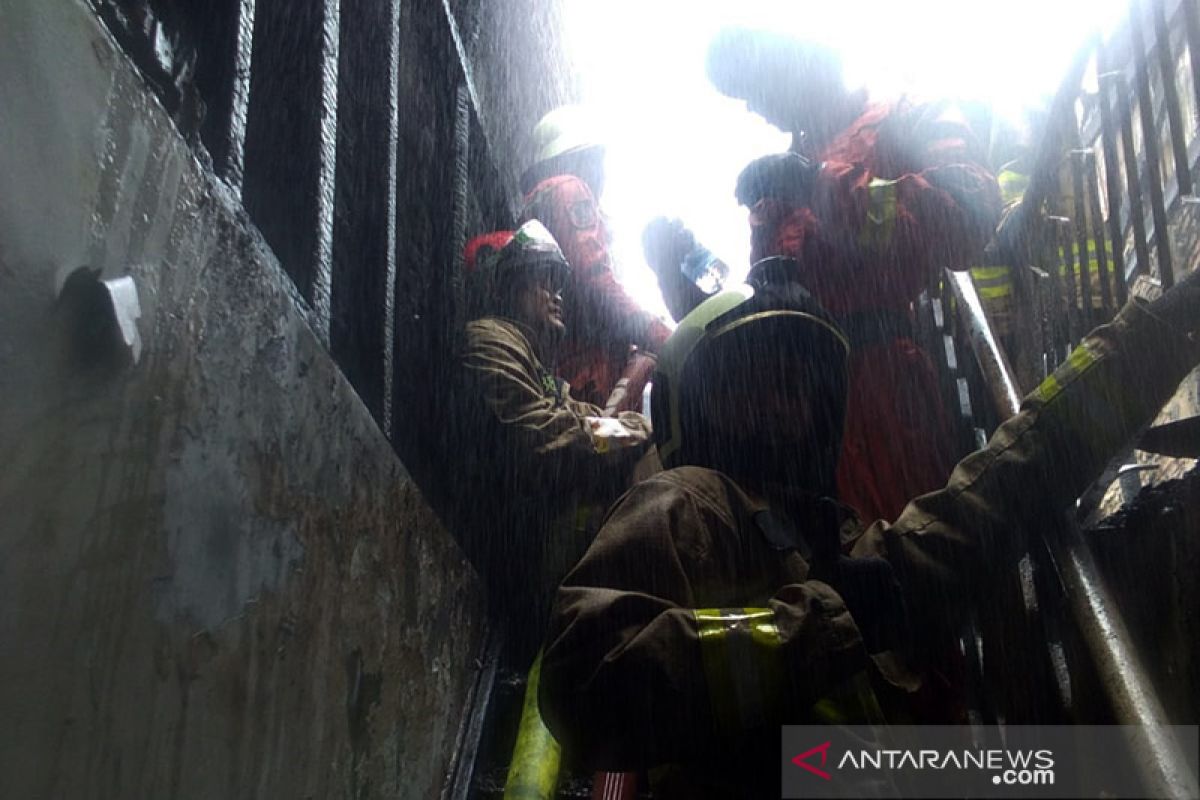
(1035, 465)
(549, 441)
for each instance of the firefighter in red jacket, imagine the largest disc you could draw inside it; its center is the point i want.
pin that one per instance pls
(562, 189)
(873, 200)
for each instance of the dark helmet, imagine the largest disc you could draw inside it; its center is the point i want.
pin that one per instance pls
(497, 261)
(761, 346)
(740, 62)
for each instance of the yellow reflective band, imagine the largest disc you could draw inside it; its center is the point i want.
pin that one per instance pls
(991, 273)
(993, 283)
(742, 664)
(1093, 260)
(1080, 359)
(1048, 389)
(876, 234)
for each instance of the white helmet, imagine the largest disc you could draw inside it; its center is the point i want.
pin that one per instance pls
(566, 129)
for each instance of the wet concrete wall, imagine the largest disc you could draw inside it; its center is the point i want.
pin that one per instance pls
(217, 580)
(518, 75)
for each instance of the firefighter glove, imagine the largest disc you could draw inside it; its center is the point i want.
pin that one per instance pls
(784, 176)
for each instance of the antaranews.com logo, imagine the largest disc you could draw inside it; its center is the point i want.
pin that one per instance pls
(961, 761)
(1007, 767)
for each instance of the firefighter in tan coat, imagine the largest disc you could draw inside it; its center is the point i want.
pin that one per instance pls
(730, 594)
(539, 466)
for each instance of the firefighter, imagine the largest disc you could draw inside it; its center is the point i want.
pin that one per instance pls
(1026, 236)
(873, 200)
(538, 466)
(728, 595)
(993, 278)
(562, 190)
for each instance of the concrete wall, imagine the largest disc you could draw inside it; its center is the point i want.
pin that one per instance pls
(216, 578)
(520, 74)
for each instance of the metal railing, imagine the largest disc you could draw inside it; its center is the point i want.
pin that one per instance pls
(1114, 173)
(1102, 201)
(1126, 685)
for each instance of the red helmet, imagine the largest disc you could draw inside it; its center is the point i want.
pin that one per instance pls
(494, 260)
(485, 247)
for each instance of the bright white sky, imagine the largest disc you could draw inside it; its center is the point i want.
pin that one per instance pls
(675, 145)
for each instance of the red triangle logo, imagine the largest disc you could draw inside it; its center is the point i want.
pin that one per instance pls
(802, 760)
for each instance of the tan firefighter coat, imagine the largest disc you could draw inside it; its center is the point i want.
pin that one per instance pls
(539, 468)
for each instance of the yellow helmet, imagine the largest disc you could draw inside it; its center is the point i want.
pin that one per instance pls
(565, 130)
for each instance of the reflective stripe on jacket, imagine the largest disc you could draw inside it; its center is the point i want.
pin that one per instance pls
(994, 281)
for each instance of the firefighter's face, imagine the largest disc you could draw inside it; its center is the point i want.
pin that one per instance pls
(779, 420)
(776, 410)
(539, 304)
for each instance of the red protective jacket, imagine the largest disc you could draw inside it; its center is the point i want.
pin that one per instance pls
(899, 197)
(602, 320)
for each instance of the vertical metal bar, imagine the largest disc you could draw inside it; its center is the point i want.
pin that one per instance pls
(464, 61)
(1066, 247)
(364, 227)
(1112, 177)
(1162, 244)
(1137, 213)
(291, 142)
(392, 166)
(321, 290)
(461, 186)
(1093, 190)
(1166, 65)
(243, 50)
(1060, 309)
(1043, 306)
(1191, 22)
(1081, 240)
